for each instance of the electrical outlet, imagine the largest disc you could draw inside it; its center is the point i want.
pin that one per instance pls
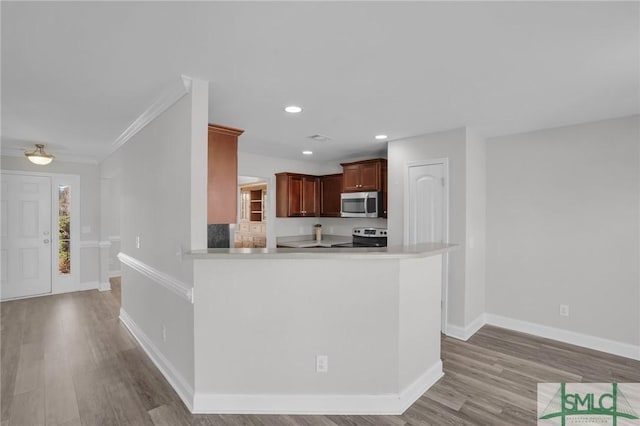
(322, 363)
(137, 241)
(331, 230)
(178, 251)
(164, 333)
(300, 230)
(564, 310)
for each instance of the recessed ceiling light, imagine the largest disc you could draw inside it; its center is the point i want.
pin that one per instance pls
(381, 137)
(293, 109)
(307, 152)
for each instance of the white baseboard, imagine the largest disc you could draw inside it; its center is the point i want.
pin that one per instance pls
(177, 381)
(113, 274)
(464, 333)
(88, 285)
(592, 342)
(415, 390)
(384, 404)
(106, 286)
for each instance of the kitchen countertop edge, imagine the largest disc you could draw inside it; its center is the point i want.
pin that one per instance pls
(392, 252)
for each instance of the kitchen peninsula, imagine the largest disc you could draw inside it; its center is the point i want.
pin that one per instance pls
(324, 330)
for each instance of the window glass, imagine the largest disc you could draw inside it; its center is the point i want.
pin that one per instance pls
(64, 229)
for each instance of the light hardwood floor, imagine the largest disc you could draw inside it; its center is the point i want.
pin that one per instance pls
(67, 360)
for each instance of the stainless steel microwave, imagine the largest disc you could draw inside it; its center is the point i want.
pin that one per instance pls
(360, 204)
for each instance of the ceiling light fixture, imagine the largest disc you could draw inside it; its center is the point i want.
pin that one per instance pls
(293, 109)
(381, 137)
(320, 138)
(307, 152)
(38, 156)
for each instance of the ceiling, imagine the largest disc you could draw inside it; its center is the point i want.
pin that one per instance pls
(76, 74)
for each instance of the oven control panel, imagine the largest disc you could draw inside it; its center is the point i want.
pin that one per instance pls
(370, 232)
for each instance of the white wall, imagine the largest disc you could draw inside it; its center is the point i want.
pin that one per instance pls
(563, 228)
(260, 328)
(475, 258)
(89, 207)
(265, 324)
(110, 208)
(110, 219)
(465, 152)
(452, 145)
(156, 206)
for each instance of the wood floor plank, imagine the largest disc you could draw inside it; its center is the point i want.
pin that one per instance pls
(27, 409)
(66, 349)
(61, 404)
(167, 415)
(30, 375)
(94, 405)
(126, 405)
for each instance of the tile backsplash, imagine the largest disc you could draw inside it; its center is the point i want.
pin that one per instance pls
(218, 236)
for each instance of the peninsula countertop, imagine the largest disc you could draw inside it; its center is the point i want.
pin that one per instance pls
(326, 241)
(392, 252)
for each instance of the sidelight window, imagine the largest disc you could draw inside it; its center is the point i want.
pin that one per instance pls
(64, 229)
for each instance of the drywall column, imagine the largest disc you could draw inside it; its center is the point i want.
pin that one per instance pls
(475, 259)
(452, 145)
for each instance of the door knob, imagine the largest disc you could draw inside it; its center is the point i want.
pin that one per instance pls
(46, 241)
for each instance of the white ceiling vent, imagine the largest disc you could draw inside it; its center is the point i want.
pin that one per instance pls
(320, 138)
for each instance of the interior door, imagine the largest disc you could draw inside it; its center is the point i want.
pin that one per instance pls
(26, 236)
(426, 203)
(427, 214)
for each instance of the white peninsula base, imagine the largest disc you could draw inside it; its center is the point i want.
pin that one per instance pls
(262, 317)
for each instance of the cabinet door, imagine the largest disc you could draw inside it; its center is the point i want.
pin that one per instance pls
(310, 196)
(330, 189)
(222, 183)
(370, 177)
(247, 241)
(351, 178)
(259, 242)
(245, 206)
(295, 196)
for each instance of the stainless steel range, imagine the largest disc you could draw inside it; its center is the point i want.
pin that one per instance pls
(366, 237)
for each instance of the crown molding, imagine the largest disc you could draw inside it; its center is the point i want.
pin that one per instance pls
(17, 152)
(170, 96)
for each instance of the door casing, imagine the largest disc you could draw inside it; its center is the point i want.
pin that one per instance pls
(445, 256)
(70, 282)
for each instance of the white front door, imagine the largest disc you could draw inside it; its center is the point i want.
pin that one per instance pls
(427, 213)
(26, 236)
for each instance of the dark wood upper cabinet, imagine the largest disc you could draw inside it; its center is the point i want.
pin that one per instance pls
(363, 176)
(297, 195)
(330, 189)
(222, 182)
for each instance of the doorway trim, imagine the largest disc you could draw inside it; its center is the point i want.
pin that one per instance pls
(444, 320)
(70, 282)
